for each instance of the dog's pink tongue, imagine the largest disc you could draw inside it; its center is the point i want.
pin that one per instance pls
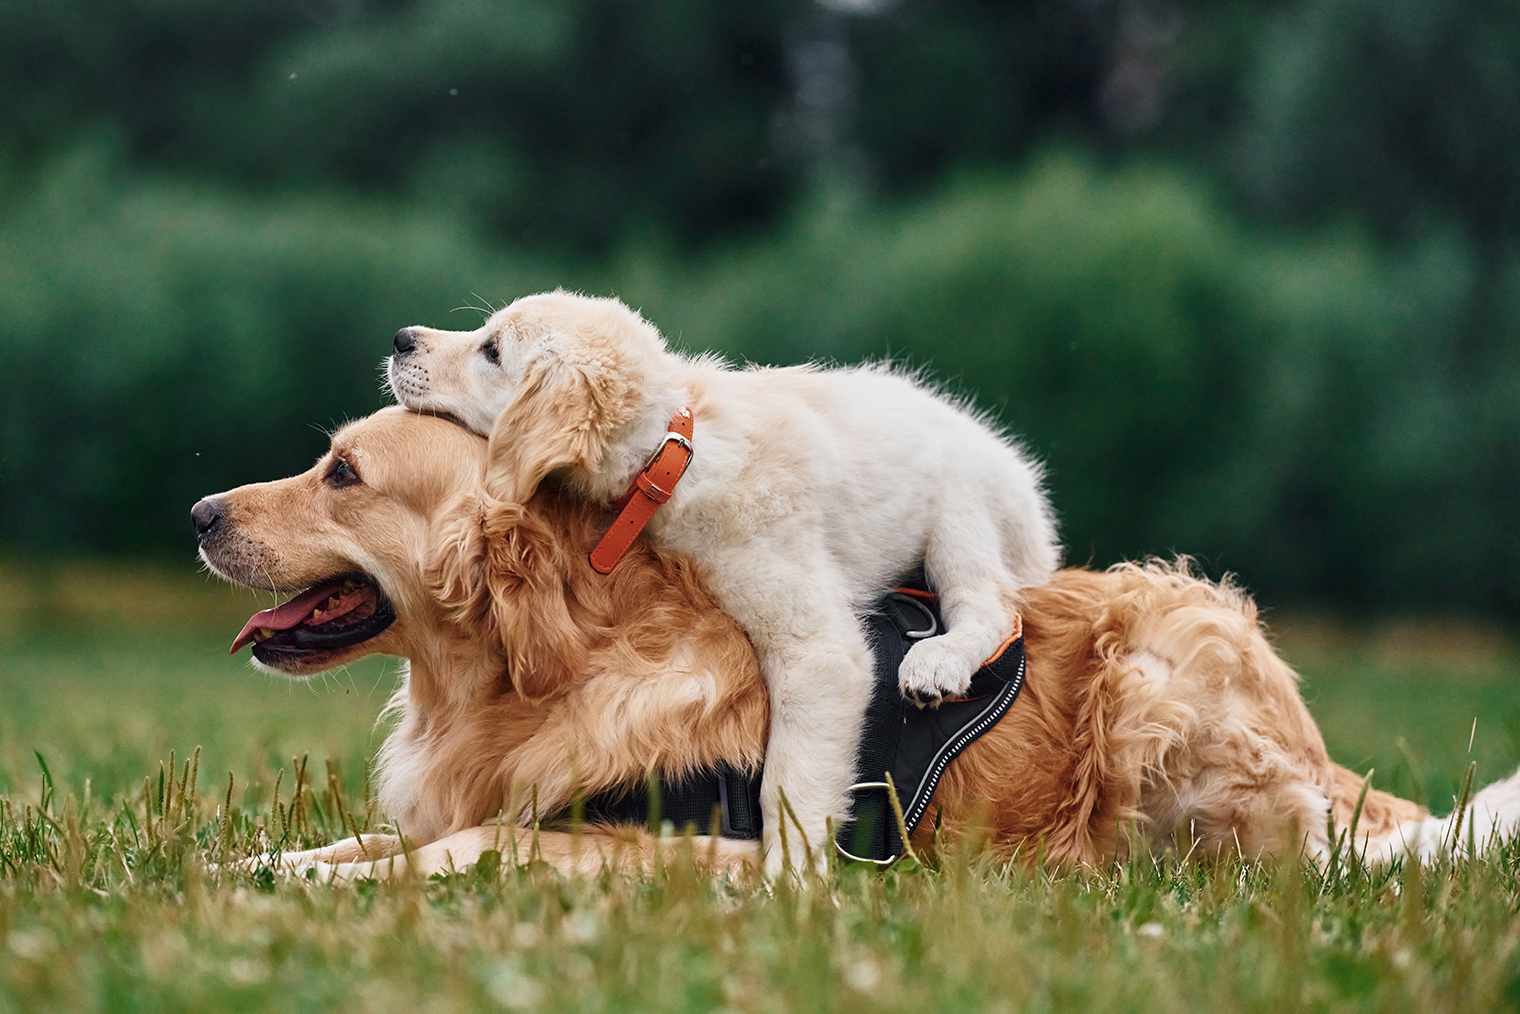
(286, 616)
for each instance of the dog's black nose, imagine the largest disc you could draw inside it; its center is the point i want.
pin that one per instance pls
(205, 514)
(406, 341)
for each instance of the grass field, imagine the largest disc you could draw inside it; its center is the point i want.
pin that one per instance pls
(106, 901)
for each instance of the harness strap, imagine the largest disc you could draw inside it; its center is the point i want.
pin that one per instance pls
(651, 488)
(686, 799)
(914, 744)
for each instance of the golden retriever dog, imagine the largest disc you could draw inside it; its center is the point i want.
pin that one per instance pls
(1152, 701)
(809, 492)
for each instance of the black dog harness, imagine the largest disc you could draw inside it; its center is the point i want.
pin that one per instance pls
(913, 744)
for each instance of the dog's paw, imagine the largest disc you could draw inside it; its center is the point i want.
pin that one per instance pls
(933, 671)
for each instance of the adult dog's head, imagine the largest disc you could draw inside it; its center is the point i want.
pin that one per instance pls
(390, 544)
(350, 536)
(522, 656)
(552, 379)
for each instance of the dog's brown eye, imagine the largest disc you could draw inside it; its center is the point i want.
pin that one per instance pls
(492, 351)
(342, 474)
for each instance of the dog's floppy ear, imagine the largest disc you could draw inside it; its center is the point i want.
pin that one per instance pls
(499, 571)
(567, 407)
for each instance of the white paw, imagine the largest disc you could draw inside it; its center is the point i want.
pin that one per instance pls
(933, 671)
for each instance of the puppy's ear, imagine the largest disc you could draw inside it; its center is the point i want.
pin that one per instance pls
(568, 406)
(500, 572)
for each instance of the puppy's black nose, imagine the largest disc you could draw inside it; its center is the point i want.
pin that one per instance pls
(205, 514)
(406, 341)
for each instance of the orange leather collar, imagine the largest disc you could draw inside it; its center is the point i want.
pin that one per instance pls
(651, 487)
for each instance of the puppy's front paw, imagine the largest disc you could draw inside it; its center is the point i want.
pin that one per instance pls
(933, 671)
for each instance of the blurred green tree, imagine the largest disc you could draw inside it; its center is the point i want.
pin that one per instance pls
(564, 123)
(213, 216)
(1405, 113)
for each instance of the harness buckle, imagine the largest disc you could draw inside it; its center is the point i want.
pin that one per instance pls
(880, 864)
(931, 625)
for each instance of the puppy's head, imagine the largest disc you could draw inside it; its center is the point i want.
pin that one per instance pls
(551, 378)
(351, 537)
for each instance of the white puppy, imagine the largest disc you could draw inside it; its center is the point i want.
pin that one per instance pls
(810, 491)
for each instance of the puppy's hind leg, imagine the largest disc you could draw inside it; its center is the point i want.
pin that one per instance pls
(1492, 817)
(977, 601)
(942, 666)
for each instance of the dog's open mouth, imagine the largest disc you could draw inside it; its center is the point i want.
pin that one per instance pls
(336, 613)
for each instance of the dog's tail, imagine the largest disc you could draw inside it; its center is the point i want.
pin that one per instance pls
(1389, 827)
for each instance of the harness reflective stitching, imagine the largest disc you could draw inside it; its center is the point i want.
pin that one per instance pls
(918, 801)
(957, 743)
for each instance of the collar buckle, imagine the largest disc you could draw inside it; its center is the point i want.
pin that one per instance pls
(667, 464)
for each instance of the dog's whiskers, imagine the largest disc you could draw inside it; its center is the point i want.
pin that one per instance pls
(485, 310)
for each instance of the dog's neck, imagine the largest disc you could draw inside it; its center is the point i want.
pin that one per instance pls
(468, 746)
(667, 390)
(430, 776)
(448, 672)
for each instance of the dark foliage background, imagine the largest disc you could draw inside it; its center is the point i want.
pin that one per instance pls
(1245, 274)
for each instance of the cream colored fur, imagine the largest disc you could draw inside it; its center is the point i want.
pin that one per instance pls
(811, 490)
(1153, 700)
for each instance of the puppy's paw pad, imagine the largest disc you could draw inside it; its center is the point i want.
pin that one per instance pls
(932, 671)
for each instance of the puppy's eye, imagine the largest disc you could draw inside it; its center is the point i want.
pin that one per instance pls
(492, 351)
(342, 475)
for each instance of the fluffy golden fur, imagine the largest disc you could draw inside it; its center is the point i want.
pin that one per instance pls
(1153, 700)
(810, 492)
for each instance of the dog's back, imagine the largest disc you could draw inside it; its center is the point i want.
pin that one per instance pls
(1154, 702)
